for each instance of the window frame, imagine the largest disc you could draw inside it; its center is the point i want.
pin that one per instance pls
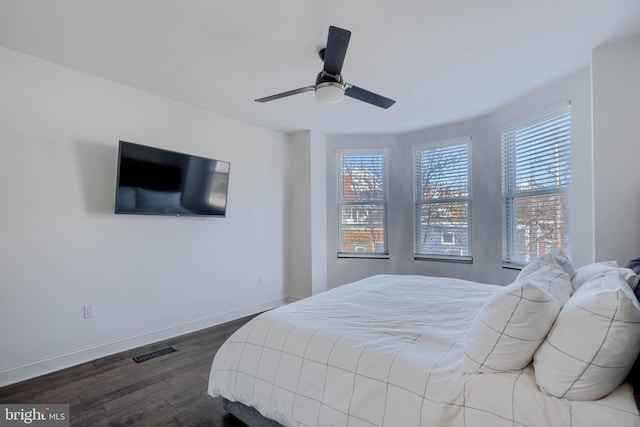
(417, 202)
(510, 193)
(375, 254)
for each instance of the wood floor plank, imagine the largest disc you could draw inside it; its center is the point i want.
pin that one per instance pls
(114, 391)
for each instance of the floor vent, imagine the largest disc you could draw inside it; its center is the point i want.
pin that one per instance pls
(152, 354)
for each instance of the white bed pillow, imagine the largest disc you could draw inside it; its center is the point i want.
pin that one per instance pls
(591, 271)
(593, 343)
(512, 323)
(554, 257)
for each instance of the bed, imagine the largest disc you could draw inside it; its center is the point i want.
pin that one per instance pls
(397, 350)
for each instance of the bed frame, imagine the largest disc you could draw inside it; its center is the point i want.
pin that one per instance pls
(248, 415)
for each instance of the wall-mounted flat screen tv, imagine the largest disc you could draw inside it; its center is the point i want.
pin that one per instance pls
(154, 181)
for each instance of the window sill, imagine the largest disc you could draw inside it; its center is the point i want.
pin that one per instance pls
(512, 266)
(363, 255)
(444, 258)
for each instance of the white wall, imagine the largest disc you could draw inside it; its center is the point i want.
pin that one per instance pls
(616, 138)
(299, 216)
(306, 215)
(318, 192)
(486, 205)
(149, 277)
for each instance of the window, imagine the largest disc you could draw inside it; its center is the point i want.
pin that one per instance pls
(442, 197)
(362, 203)
(448, 238)
(536, 175)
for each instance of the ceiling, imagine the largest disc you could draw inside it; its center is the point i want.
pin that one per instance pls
(442, 61)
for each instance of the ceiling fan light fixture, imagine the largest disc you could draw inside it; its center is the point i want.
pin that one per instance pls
(329, 92)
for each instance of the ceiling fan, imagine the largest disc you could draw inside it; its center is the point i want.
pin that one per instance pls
(330, 87)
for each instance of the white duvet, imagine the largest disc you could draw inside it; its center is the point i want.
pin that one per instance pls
(388, 351)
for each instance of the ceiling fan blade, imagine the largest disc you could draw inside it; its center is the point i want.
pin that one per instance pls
(334, 54)
(285, 94)
(366, 96)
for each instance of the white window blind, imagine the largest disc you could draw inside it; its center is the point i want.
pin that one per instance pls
(442, 197)
(362, 202)
(536, 176)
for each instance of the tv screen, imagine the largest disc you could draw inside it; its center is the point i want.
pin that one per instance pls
(153, 181)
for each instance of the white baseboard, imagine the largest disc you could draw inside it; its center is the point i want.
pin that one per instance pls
(57, 362)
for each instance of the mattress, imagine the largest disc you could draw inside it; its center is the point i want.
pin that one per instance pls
(388, 351)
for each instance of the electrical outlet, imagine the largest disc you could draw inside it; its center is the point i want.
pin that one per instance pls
(89, 310)
(259, 280)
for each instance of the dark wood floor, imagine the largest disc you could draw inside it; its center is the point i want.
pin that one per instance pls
(114, 391)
